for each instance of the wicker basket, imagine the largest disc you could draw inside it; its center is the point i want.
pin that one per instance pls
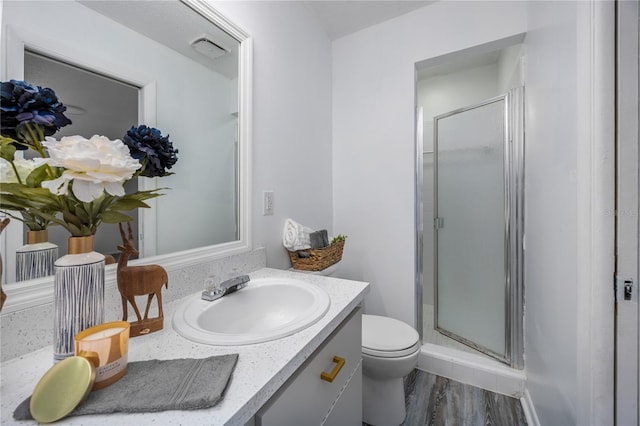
(318, 259)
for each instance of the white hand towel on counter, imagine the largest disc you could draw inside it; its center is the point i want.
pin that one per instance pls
(296, 236)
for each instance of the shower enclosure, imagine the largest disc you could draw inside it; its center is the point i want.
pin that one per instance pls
(477, 185)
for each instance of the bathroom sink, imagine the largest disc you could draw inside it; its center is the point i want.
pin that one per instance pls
(266, 309)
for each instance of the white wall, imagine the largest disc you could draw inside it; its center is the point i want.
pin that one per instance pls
(373, 137)
(551, 204)
(510, 72)
(291, 119)
(569, 192)
(443, 93)
(569, 186)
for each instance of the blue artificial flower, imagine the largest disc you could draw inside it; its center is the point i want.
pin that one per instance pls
(154, 151)
(22, 103)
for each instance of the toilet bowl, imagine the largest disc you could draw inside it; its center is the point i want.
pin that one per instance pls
(390, 351)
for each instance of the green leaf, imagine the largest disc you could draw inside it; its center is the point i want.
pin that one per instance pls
(70, 218)
(144, 195)
(36, 177)
(7, 151)
(129, 203)
(74, 230)
(82, 214)
(29, 197)
(31, 134)
(12, 215)
(111, 216)
(6, 140)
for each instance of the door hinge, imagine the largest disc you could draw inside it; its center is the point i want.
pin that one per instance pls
(438, 223)
(625, 290)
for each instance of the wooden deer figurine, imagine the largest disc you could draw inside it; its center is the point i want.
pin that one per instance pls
(3, 295)
(139, 281)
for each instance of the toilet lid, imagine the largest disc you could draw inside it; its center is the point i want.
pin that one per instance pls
(384, 336)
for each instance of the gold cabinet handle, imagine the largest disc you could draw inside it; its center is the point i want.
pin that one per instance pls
(329, 377)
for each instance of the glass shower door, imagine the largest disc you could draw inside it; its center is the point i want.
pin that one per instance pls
(472, 223)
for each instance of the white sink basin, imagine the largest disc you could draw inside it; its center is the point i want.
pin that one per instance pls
(266, 309)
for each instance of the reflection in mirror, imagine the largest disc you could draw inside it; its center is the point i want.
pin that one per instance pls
(163, 64)
(96, 104)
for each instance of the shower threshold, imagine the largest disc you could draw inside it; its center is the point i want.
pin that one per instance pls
(472, 369)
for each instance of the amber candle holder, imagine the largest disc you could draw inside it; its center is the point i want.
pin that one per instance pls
(106, 346)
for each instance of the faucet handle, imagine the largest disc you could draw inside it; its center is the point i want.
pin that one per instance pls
(211, 284)
(214, 289)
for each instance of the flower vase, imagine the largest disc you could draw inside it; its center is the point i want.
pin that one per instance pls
(36, 258)
(78, 294)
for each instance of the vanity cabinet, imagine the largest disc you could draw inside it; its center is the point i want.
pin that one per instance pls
(307, 399)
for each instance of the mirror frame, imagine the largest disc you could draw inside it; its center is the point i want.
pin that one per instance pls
(37, 292)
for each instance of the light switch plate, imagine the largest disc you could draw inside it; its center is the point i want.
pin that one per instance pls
(267, 203)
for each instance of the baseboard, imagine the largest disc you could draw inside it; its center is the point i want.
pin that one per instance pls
(529, 410)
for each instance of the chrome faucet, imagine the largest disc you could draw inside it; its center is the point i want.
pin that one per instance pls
(222, 289)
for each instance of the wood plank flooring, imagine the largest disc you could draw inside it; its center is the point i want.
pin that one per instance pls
(438, 401)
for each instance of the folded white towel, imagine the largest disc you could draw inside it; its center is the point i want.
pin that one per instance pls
(296, 236)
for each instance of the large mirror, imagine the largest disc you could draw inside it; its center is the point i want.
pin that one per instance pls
(178, 66)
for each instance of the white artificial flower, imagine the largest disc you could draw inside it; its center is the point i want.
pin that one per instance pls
(7, 175)
(24, 167)
(94, 165)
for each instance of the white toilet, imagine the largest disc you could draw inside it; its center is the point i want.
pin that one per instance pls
(389, 352)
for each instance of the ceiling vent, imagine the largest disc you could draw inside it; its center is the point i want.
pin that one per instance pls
(208, 48)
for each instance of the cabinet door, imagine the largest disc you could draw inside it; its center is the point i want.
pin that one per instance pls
(306, 399)
(348, 408)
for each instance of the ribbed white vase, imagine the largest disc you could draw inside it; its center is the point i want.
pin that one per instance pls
(36, 258)
(78, 294)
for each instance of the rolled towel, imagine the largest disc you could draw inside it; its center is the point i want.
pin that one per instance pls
(296, 236)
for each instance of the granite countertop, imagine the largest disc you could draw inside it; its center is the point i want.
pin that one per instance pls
(261, 369)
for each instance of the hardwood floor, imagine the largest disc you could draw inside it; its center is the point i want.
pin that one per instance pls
(435, 400)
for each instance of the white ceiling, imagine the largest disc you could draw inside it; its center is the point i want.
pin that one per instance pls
(175, 26)
(454, 65)
(172, 24)
(340, 18)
